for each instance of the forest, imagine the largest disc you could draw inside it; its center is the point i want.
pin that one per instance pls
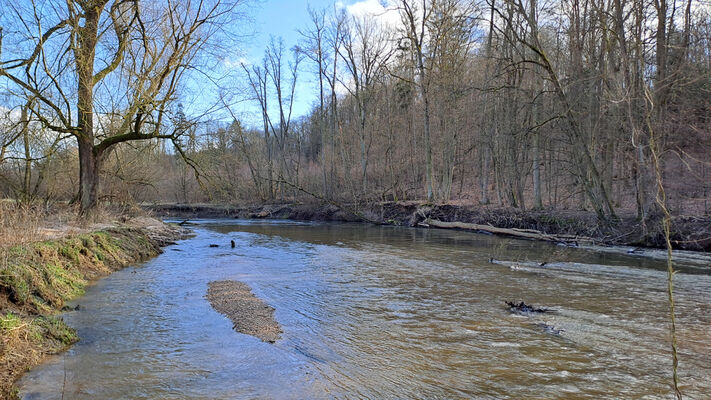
(524, 104)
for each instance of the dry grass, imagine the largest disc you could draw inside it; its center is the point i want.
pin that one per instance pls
(22, 224)
(24, 341)
(18, 225)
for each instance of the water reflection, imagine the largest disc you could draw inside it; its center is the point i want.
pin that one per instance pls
(382, 312)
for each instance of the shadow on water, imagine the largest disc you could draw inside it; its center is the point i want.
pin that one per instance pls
(382, 312)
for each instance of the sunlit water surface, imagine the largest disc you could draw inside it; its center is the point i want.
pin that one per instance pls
(383, 312)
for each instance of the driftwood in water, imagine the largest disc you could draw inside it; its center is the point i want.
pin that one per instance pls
(522, 233)
(525, 308)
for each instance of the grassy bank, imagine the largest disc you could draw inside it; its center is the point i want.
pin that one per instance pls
(38, 279)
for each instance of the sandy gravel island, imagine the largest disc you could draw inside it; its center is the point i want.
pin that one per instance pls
(249, 314)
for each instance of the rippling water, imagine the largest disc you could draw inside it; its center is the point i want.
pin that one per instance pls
(383, 312)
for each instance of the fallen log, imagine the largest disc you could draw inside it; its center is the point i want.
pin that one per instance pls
(522, 233)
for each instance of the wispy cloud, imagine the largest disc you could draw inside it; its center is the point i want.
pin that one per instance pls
(382, 11)
(235, 62)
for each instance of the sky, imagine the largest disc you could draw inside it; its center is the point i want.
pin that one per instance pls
(283, 18)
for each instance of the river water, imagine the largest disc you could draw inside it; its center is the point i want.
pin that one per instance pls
(383, 313)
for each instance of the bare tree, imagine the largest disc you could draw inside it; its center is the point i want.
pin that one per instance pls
(276, 78)
(315, 49)
(415, 18)
(437, 34)
(587, 171)
(365, 51)
(128, 53)
(258, 81)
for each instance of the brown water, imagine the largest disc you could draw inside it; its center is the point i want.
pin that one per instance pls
(383, 312)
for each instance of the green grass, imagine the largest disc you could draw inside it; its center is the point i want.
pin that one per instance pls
(47, 274)
(55, 328)
(9, 322)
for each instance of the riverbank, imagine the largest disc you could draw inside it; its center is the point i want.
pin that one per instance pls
(38, 279)
(572, 227)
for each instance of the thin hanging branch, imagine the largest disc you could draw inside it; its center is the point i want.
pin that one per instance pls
(666, 225)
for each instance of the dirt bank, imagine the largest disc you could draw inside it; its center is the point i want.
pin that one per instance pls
(38, 279)
(688, 233)
(249, 314)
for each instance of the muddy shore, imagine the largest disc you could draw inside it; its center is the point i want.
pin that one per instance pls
(249, 314)
(688, 233)
(38, 279)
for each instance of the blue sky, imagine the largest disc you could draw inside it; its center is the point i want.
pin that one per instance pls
(283, 18)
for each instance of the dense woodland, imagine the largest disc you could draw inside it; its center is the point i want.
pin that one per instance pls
(560, 104)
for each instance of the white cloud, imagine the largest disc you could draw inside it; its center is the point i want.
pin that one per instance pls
(366, 7)
(230, 62)
(382, 11)
(8, 116)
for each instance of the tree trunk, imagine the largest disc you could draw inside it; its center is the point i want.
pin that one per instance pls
(640, 185)
(363, 153)
(424, 91)
(88, 160)
(428, 145)
(484, 176)
(522, 233)
(705, 188)
(660, 84)
(27, 181)
(537, 201)
(484, 154)
(88, 177)
(322, 122)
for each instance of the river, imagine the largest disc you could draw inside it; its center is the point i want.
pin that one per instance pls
(383, 312)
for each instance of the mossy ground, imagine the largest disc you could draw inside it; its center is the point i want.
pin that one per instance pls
(38, 279)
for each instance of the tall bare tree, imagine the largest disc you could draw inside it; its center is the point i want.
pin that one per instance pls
(365, 51)
(315, 49)
(106, 70)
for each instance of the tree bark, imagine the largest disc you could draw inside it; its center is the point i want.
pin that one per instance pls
(428, 145)
(88, 177)
(484, 176)
(88, 160)
(27, 180)
(538, 200)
